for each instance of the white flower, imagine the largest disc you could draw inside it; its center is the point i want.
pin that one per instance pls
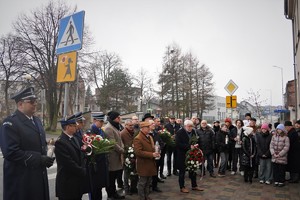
(131, 173)
(197, 162)
(188, 162)
(131, 155)
(195, 165)
(192, 162)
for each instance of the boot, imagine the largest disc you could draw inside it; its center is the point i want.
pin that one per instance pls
(294, 178)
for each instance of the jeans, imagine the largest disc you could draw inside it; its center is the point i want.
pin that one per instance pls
(209, 158)
(266, 169)
(143, 187)
(279, 172)
(192, 176)
(224, 158)
(236, 158)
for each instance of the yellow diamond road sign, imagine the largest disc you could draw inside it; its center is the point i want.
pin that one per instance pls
(231, 87)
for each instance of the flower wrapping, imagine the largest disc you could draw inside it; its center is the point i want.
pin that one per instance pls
(94, 144)
(129, 161)
(167, 138)
(194, 158)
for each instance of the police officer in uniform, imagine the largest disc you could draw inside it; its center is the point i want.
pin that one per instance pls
(71, 169)
(24, 147)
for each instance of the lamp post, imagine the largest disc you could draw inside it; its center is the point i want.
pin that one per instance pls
(281, 69)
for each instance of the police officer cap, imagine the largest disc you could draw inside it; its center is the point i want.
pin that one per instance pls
(79, 116)
(68, 120)
(24, 94)
(100, 117)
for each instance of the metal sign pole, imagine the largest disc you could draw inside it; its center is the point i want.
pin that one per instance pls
(66, 99)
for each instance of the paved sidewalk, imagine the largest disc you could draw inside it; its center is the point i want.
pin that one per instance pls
(230, 187)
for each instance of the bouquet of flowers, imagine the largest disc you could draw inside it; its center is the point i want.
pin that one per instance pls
(94, 144)
(194, 158)
(167, 138)
(130, 161)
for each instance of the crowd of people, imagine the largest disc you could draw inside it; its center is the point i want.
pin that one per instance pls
(240, 147)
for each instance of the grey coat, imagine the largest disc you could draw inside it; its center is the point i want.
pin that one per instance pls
(115, 157)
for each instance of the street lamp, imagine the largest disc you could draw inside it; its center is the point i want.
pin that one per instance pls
(281, 87)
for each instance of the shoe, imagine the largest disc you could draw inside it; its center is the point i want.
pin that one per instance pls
(276, 184)
(268, 182)
(160, 180)
(242, 173)
(233, 173)
(221, 175)
(175, 173)
(169, 174)
(197, 189)
(184, 190)
(163, 176)
(261, 182)
(212, 175)
(281, 184)
(156, 189)
(117, 196)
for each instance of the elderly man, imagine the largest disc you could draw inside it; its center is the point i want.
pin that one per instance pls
(182, 146)
(207, 145)
(145, 165)
(24, 147)
(127, 136)
(135, 123)
(115, 159)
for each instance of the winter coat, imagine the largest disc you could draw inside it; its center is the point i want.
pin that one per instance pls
(127, 138)
(263, 144)
(70, 168)
(172, 128)
(221, 141)
(115, 157)
(182, 146)
(294, 151)
(279, 146)
(23, 144)
(206, 140)
(249, 151)
(144, 148)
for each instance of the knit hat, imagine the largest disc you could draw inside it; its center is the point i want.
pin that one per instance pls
(288, 123)
(247, 130)
(265, 126)
(113, 115)
(281, 127)
(228, 120)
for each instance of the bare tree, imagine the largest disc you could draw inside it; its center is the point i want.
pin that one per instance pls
(255, 99)
(10, 66)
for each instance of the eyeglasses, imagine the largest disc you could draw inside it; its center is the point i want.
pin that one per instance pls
(31, 101)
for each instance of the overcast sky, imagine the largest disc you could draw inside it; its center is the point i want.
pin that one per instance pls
(237, 39)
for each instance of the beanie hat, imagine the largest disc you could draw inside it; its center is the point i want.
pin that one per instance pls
(247, 130)
(288, 123)
(228, 120)
(113, 115)
(265, 126)
(281, 127)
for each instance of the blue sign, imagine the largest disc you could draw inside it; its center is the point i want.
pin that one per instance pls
(281, 111)
(70, 33)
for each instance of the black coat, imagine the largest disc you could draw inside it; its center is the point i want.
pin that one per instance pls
(294, 152)
(249, 149)
(206, 140)
(23, 144)
(263, 144)
(172, 128)
(182, 146)
(221, 141)
(70, 168)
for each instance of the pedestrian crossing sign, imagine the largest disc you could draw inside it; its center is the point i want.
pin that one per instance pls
(70, 33)
(66, 67)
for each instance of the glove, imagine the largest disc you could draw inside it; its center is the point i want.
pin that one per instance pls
(47, 161)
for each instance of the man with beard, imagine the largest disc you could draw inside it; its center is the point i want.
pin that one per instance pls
(115, 158)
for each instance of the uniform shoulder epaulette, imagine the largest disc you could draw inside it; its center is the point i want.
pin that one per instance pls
(7, 123)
